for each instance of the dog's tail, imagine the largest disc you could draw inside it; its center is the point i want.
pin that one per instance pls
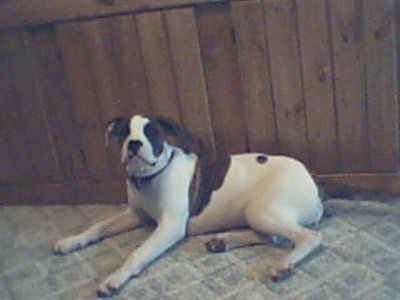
(329, 189)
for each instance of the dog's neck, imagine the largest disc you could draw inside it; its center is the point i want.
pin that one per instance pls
(141, 181)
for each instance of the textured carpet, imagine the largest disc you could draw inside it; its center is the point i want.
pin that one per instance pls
(360, 259)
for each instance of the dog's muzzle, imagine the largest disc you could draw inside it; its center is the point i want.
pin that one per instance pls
(133, 148)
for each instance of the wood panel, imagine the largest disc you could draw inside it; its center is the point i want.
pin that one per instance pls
(128, 62)
(381, 83)
(314, 79)
(33, 150)
(21, 12)
(318, 84)
(222, 77)
(156, 56)
(188, 69)
(349, 76)
(13, 167)
(72, 192)
(255, 76)
(283, 40)
(87, 122)
(51, 80)
(103, 75)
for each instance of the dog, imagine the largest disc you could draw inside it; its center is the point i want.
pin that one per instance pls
(175, 181)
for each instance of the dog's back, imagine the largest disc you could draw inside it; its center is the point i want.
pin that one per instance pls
(270, 184)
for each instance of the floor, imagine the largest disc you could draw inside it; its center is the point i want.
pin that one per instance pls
(360, 259)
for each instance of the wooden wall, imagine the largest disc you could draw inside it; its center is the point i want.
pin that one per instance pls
(315, 79)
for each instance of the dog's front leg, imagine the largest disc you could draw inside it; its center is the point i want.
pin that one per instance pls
(114, 225)
(167, 233)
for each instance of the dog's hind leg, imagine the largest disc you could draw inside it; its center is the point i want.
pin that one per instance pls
(304, 240)
(231, 240)
(114, 225)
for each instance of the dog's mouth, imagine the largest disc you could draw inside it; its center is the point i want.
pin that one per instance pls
(131, 157)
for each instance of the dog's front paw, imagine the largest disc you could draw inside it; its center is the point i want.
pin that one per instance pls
(68, 245)
(112, 284)
(280, 273)
(106, 290)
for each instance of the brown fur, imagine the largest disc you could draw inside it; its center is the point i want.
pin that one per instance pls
(208, 177)
(210, 170)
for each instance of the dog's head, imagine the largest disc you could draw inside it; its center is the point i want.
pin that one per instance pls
(145, 142)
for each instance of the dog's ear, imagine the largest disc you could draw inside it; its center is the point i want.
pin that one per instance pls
(178, 135)
(171, 128)
(174, 132)
(117, 127)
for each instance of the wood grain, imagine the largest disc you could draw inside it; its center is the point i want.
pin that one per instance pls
(314, 79)
(51, 80)
(283, 44)
(318, 85)
(18, 13)
(255, 76)
(382, 87)
(222, 77)
(13, 168)
(158, 66)
(32, 146)
(88, 125)
(128, 62)
(349, 76)
(189, 73)
(74, 192)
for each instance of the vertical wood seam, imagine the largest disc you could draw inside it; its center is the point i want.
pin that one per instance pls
(303, 95)
(43, 113)
(269, 67)
(172, 62)
(333, 79)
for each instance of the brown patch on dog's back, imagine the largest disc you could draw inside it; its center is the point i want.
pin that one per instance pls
(208, 177)
(209, 172)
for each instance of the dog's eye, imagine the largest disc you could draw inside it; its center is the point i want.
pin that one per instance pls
(155, 138)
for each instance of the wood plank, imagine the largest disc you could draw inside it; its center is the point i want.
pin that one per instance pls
(381, 82)
(96, 40)
(74, 192)
(128, 69)
(34, 146)
(286, 76)
(188, 69)
(87, 126)
(255, 76)
(348, 59)
(318, 85)
(381, 182)
(34, 12)
(57, 102)
(157, 60)
(222, 77)
(13, 168)
(128, 62)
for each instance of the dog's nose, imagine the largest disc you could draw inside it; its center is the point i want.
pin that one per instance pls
(134, 146)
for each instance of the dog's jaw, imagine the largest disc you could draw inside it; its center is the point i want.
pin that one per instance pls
(138, 166)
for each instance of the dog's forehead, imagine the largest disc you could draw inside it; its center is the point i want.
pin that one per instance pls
(137, 125)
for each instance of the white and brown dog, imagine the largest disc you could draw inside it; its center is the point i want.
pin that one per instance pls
(172, 180)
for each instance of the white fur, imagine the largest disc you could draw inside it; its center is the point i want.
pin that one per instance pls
(277, 197)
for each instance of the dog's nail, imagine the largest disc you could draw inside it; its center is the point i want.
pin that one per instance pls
(216, 245)
(103, 294)
(107, 292)
(281, 274)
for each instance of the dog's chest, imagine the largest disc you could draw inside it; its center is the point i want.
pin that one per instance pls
(166, 194)
(151, 199)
